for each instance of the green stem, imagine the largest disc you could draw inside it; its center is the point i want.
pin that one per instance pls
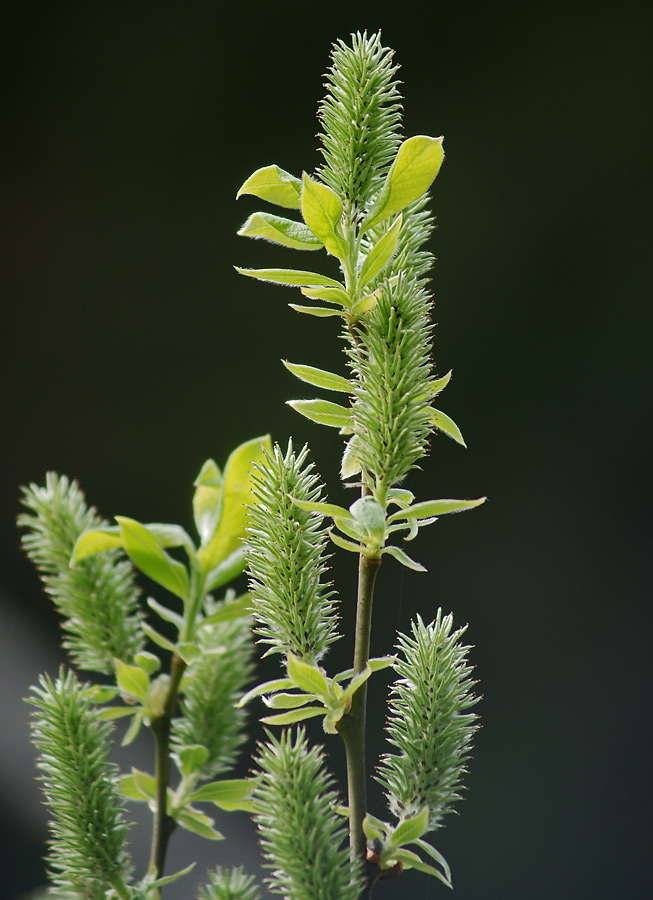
(352, 726)
(164, 825)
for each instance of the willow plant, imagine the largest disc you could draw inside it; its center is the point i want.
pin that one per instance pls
(189, 679)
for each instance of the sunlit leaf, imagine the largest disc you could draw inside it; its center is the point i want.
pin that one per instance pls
(148, 555)
(295, 277)
(324, 412)
(443, 423)
(380, 253)
(282, 231)
(275, 185)
(319, 377)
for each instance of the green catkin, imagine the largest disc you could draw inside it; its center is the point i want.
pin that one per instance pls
(87, 846)
(229, 883)
(301, 834)
(359, 116)
(98, 598)
(218, 679)
(287, 561)
(429, 722)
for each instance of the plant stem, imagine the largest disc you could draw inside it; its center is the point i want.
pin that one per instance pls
(164, 825)
(352, 726)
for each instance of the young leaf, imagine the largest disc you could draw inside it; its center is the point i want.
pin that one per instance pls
(95, 541)
(207, 500)
(319, 377)
(191, 758)
(226, 571)
(147, 554)
(443, 423)
(320, 312)
(322, 210)
(282, 231)
(145, 783)
(295, 715)
(158, 638)
(278, 684)
(416, 165)
(223, 792)
(330, 294)
(344, 544)
(410, 829)
(236, 493)
(274, 185)
(195, 821)
(434, 508)
(287, 701)
(132, 680)
(324, 509)
(324, 412)
(307, 677)
(379, 255)
(404, 558)
(412, 861)
(168, 615)
(439, 384)
(295, 277)
(234, 609)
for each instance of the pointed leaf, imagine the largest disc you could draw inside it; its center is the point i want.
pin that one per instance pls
(132, 732)
(236, 494)
(236, 609)
(404, 558)
(410, 829)
(414, 168)
(278, 684)
(435, 508)
(320, 312)
(319, 377)
(412, 861)
(307, 677)
(356, 682)
(324, 509)
(145, 783)
(223, 792)
(207, 500)
(295, 715)
(366, 303)
(168, 615)
(443, 423)
(439, 384)
(147, 554)
(287, 701)
(226, 571)
(157, 638)
(381, 662)
(132, 680)
(188, 651)
(324, 412)
(322, 210)
(168, 879)
(275, 185)
(109, 713)
(198, 823)
(95, 541)
(171, 536)
(330, 294)
(436, 855)
(130, 790)
(191, 758)
(344, 544)
(282, 231)
(295, 277)
(380, 253)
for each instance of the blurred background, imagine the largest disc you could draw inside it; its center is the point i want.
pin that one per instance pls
(131, 351)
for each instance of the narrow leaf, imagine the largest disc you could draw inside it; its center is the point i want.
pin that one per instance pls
(435, 508)
(166, 614)
(381, 662)
(287, 701)
(218, 792)
(325, 509)
(226, 571)
(322, 210)
(275, 185)
(147, 554)
(439, 384)
(168, 879)
(380, 253)
(158, 638)
(412, 861)
(230, 611)
(91, 542)
(320, 312)
(404, 558)
(207, 499)
(330, 294)
(443, 423)
(290, 277)
(278, 684)
(307, 677)
(198, 823)
(319, 377)
(436, 855)
(145, 783)
(410, 829)
(282, 231)
(344, 544)
(295, 715)
(324, 412)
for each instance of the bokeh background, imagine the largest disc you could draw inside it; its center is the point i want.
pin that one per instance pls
(131, 351)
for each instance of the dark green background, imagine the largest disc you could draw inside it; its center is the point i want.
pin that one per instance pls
(131, 351)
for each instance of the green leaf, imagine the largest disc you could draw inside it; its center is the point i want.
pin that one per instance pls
(191, 758)
(280, 231)
(146, 553)
(148, 661)
(132, 680)
(319, 377)
(115, 712)
(443, 423)
(356, 682)
(436, 855)
(188, 651)
(236, 609)
(369, 513)
(223, 792)
(171, 536)
(410, 829)
(130, 790)
(379, 255)
(324, 412)
(322, 210)
(95, 541)
(344, 544)
(295, 715)
(330, 294)
(195, 821)
(287, 701)
(404, 558)
(435, 508)
(168, 879)
(381, 662)
(274, 185)
(439, 384)
(207, 500)
(320, 312)
(157, 638)
(415, 166)
(324, 509)
(412, 861)
(168, 615)
(236, 494)
(366, 303)
(307, 677)
(295, 277)
(134, 727)
(226, 571)
(145, 783)
(266, 687)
